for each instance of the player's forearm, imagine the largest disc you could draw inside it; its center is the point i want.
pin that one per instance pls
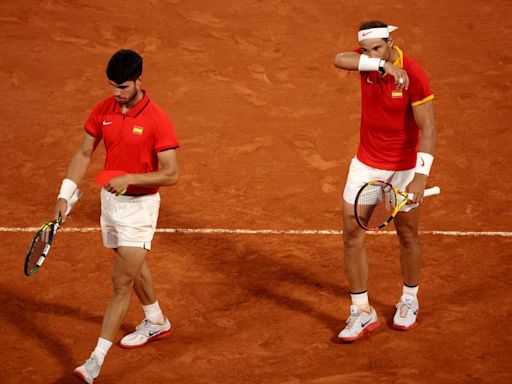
(162, 177)
(427, 141)
(78, 166)
(347, 60)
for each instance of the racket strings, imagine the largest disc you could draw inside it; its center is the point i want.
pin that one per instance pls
(375, 204)
(41, 240)
(36, 252)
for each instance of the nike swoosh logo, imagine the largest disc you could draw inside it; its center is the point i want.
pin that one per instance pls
(107, 122)
(364, 324)
(422, 161)
(367, 33)
(153, 333)
(369, 81)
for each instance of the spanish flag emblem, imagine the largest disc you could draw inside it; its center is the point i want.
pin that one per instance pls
(396, 94)
(137, 130)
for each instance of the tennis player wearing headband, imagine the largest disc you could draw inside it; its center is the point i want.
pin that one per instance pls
(397, 140)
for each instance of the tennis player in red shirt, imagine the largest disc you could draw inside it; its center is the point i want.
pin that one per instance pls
(397, 140)
(139, 140)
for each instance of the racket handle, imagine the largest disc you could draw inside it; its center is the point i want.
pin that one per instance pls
(432, 191)
(428, 192)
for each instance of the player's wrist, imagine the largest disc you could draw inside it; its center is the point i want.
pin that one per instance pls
(382, 64)
(67, 189)
(368, 64)
(424, 162)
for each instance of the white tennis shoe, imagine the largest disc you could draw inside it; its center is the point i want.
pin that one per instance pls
(146, 332)
(358, 324)
(406, 313)
(89, 370)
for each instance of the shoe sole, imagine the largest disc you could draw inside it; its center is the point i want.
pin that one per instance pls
(406, 328)
(80, 376)
(370, 328)
(160, 336)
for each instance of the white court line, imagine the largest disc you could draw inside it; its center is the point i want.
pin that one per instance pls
(266, 231)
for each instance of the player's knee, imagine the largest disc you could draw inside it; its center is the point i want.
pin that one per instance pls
(122, 285)
(408, 236)
(353, 237)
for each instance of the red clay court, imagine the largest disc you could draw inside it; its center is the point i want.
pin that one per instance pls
(268, 128)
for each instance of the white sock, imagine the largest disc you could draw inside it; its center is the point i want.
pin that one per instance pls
(411, 291)
(101, 349)
(154, 313)
(360, 300)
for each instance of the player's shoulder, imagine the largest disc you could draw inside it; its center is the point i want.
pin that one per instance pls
(411, 64)
(157, 113)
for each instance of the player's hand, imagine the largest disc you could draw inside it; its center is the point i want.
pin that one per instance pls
(417, 188)
(118, 185)
(401, 76)
(60, 209)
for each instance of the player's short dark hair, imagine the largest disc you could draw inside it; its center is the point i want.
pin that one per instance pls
(373, 24)
(124, 65)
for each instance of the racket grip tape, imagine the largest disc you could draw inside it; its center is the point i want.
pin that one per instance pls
(428, 192)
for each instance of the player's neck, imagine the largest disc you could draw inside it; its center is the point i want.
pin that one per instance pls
(393, 55)
(138, 97)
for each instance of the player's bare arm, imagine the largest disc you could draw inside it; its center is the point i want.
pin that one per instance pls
(76, 169)
(168, 174)
(424, 116)
(347, 60)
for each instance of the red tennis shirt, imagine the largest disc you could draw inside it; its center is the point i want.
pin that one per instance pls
(389, 134)
(132, 141)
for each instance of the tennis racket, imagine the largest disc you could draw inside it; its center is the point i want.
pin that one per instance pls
(104, 177)
(378, 202)
(43, 239)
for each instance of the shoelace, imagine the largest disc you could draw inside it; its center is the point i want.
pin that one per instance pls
(351, 320)
(403, 308)
(144, 324)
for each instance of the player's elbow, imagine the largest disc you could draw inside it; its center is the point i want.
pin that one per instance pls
(346, 60)
(172, 177)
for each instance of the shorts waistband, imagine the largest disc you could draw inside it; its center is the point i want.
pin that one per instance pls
(129, 198)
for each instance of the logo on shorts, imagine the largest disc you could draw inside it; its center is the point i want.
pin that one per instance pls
(107, 122)
(137, 130)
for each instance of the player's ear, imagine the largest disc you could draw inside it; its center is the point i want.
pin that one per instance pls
(390, 42)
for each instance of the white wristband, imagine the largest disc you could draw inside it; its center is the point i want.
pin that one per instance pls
(67, 189)
(424, 163)
(367, 64)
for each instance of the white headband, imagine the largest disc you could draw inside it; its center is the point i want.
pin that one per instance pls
(375, 33)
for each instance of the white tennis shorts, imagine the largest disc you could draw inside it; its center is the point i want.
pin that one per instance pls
(359, 174)
(128, 221)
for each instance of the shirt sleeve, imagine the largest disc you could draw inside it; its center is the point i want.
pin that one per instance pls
(165, 135)
(419, 86)
(93, 125)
